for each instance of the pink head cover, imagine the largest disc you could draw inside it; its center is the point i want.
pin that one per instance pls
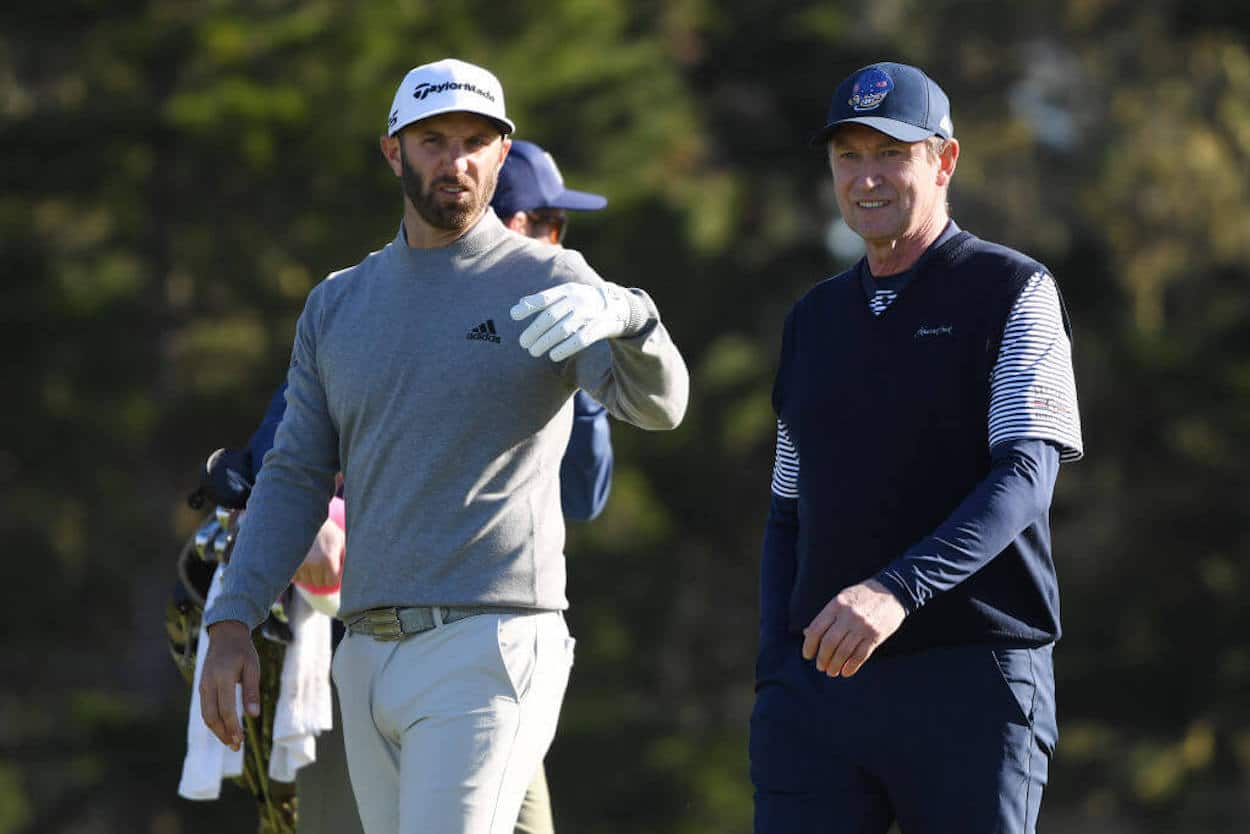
(337, 514)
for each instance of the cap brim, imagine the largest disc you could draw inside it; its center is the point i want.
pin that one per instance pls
(505, 125)
(902, 131)
(578, 201)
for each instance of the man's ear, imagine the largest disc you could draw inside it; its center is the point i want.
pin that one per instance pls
(390, 152)
(947, 161)
(517, 222)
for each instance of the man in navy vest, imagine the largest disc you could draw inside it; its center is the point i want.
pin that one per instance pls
(909, 603)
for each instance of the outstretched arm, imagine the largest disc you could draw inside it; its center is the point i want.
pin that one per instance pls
(612, 344)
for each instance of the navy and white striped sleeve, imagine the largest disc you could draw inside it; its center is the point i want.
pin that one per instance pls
(781, 533)
(1032, 387)
(785, 465)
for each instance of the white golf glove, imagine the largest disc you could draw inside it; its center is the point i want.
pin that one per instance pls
(573, 316)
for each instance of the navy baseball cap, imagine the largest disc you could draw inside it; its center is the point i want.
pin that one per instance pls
(897, 99)
(531, 180)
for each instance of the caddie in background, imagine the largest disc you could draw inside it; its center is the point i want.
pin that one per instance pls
(909, 603)
(531, 200)
(457, 656)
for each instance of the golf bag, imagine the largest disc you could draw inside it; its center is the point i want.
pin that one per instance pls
(226, 482)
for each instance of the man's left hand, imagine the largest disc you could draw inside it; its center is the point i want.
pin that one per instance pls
(323, 564)
(850, 628)
(571, 317)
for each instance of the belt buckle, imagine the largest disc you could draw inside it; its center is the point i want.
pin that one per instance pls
(384, 624)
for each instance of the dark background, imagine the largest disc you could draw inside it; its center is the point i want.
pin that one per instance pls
(176, 176)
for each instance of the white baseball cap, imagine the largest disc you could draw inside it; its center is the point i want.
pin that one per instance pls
(447, 86)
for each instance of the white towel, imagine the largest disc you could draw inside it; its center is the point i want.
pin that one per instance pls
(303, 709)
(304, 706)
(208, 761)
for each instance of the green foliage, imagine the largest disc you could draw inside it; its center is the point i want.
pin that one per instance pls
(15, 811)
(178, 176)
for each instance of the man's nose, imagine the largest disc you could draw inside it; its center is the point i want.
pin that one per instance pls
(458, 157)
(869, 180)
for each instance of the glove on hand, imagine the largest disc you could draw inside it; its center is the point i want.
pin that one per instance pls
(573, 316)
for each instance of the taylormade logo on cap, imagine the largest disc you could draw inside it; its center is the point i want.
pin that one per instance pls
(423, 89)
(447, 86)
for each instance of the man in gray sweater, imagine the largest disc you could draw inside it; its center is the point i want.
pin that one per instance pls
(406, 376)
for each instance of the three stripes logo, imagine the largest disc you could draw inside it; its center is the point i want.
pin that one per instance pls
(484, 332)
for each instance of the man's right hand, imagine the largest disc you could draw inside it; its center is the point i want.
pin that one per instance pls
(231, 659)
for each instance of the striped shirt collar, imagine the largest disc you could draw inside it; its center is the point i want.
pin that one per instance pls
(898, 281)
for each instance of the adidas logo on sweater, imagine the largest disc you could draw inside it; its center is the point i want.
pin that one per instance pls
(484, 332)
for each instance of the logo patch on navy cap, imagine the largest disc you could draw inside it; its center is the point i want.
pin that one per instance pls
(870, 89)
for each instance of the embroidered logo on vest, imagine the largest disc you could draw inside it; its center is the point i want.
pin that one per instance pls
(939, 330)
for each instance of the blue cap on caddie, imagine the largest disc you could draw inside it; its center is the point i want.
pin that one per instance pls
(897, 99)
(531, 180)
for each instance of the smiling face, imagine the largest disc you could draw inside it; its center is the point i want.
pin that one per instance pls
(890, 193)
(448, 165)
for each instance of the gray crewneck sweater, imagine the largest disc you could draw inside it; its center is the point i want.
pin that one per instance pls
(407, 376)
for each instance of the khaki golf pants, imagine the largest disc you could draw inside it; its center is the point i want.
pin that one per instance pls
(444, 730)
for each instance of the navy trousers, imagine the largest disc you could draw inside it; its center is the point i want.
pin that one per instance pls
(954, 739)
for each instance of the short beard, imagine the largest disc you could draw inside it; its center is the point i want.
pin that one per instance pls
(454, 218)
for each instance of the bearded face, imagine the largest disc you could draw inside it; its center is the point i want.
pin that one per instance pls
(448, 202)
